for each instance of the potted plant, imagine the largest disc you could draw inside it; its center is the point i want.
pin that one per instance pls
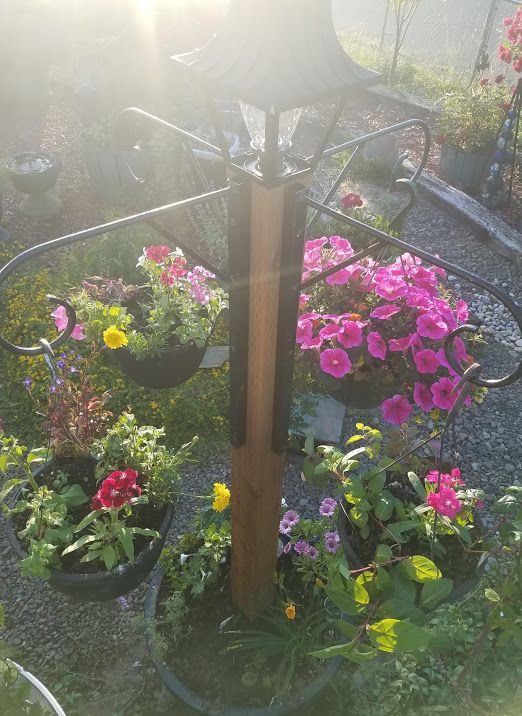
(467, 131)
(173, 314)
(91, 512)
(383, 513)
(22, 694)
(374, 334)
(35, 174)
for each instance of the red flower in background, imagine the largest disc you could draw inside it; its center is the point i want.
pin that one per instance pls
(158, 253)
(499, 79)
(483, 82)
(440, 139)
(351, 201)
(117, 490)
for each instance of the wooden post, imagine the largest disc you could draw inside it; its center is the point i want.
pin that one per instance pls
(256, 470)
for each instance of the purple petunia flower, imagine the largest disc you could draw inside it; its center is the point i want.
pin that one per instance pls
(327, 507)
(72, 369)
(285, 527)
(331, 542)
(313, 553)
(58, 381)
(63, 355)
(28, 383)
(301, 547)
(291, 517)
(60, 364)
(287, 548)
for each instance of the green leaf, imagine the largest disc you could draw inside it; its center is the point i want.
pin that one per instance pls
(127, 543)
(376, 483)
(434, 592)
(108, 555)
(73, 496)
(331, 651)
(394, 635)
(417, 486)
(396, 609)
(91, 556)
(349, 599)
(347, 629)
(144, 532)
(86, 539)
(361, 653)
(38, 456)
(491, 595)
(420, 569)
(398, 528)
(8, 486)
(401, 588)
(88, 519)
(383, 554)
(384, 507)
(354, 439)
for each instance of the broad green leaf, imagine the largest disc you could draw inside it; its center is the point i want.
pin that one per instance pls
(491, 595)
(417, 486)
(108, 555)
(8, 486)
(347, 629)
(144, 532)
(354, 439)
(434, 592)
(38, 456)
(383, 554)
(345, 600)
(361, 653)
(86, 539)
(382, 579)
(127, 543)
(420, 569)
(91, 556)
(394, 635)
(400, 588)
(384, 507)
(376, 483)
(398, 528)
(331, 651)
(396, 609)
(73, 496)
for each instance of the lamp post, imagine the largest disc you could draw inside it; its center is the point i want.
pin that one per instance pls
(275, 57)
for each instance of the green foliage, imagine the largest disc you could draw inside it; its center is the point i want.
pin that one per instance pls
(385, 607)
(126, 444)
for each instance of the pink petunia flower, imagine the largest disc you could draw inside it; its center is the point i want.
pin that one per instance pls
(431, 325)
(303, 300)
(335, 362)
(391, 288)
(462, 312)
(383, 313)
(304, 332)
(396, 410)
(351, 334)
(337, 242)
(426, 361)
(329, 332)
(396, 345)
(442, 394)
(376, 345)
(423, 397)
(60, 321)
(445, 502)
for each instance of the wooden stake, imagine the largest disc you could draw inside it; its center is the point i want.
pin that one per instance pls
(256, 470)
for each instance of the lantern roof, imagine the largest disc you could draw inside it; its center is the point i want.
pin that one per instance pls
(277, 55)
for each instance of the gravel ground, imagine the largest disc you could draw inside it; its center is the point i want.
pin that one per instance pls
(95, 652)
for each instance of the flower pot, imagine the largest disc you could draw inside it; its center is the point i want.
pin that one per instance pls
(360, 394)
(463, 168)
(115, 173)
(351, 544)
(293, 702)
(98, 586)
(38, 695)
(173, 367)
(35, 174)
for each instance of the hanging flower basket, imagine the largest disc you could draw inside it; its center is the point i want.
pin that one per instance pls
(168, 370)
(98, 586)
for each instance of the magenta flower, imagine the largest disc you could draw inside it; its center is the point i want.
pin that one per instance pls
(335, 361)
(376, 345)
(431, 325)
(446, 480)
(304, 332)
(60, 321)
(285, 527)
(327, 507)
(301, 547)
(442, 394)
(331, 542)
(351, 334)
(342, 245)
(391, 288)
(445, 502)
(441, 355)
(383, 313)
(339, 278)
(396, 345)
(303, 300)
(461, 354)
(291, 517)
(329, 332)
(310, 343)
(396, 410)
(423, 397)
(462, 311)
(426, 361)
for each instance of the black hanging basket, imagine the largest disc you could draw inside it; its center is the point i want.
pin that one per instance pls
(173, 367)
(99, 586)
(291, 703)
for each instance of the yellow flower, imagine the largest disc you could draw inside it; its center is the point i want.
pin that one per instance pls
(114, 338)
(290, 611)
(221, 497)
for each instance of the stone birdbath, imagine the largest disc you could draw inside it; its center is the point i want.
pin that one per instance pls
(35, 174)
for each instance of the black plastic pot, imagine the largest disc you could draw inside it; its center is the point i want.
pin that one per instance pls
(351, 541)
(293, 702)
(360, 394)
(39, 694)
(173, 367)
(99, 586)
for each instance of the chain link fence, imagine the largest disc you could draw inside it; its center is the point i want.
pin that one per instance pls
(443, 32)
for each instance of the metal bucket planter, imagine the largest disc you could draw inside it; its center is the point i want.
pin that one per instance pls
(114, 174)
(38, 694)
(463, 168)
(294, 702)
(168, 370)
(98, 586)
